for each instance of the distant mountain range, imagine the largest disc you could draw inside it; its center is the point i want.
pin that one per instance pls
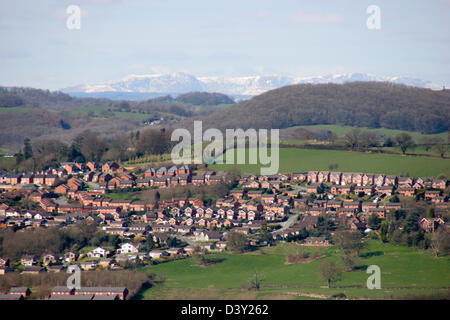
(138, 87)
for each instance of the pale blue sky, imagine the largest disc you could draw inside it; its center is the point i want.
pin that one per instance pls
(220, 38)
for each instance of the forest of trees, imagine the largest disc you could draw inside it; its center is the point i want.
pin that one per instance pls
(35, 113)
(89, 146)
(361, 104)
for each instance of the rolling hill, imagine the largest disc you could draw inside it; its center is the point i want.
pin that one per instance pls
(363, 104)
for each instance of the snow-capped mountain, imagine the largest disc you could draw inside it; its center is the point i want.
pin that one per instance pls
(177, 83)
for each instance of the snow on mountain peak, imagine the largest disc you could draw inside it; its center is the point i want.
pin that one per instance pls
(180, 82)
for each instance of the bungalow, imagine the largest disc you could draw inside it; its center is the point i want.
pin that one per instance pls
(62, 291)
(321, 241)
(88, 265)
(24, 291)
(157, 254)
(103, 291)
(33, 270)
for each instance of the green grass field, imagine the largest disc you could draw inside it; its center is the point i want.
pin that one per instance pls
(403, 270)
(300, 160)
(340, 131)
(102, 111)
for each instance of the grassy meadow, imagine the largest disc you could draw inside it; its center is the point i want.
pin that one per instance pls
(300, 160)
(403, 271)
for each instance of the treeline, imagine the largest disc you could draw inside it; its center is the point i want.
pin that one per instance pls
(363, 140)
(360, 104)
(204, 98)
(53, 240)
(89, 146)
(53, 115)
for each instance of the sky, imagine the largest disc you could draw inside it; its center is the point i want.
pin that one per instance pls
(220, 38)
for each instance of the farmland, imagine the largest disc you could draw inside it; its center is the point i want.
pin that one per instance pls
(403, 271)
(300, 160)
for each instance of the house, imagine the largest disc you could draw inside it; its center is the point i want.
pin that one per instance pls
(33, 270)
(313, 188)
(312, 177)
(51, 180)
(335, 177)
(430, 194)
(127, 248)
(98, 252)
(378, 180)
(11, 297)
(439, 184)
(320, 241)
(366, 189)
(110, 167)
(385, 190)
(28, 260)
(103, 291)
(24, 291)
(430, 224)
(88, 265)
(346, 179)
(49, 258)
(406, 191)
(390, 180)
(157, 254)
(62, 291)
(70, 257)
